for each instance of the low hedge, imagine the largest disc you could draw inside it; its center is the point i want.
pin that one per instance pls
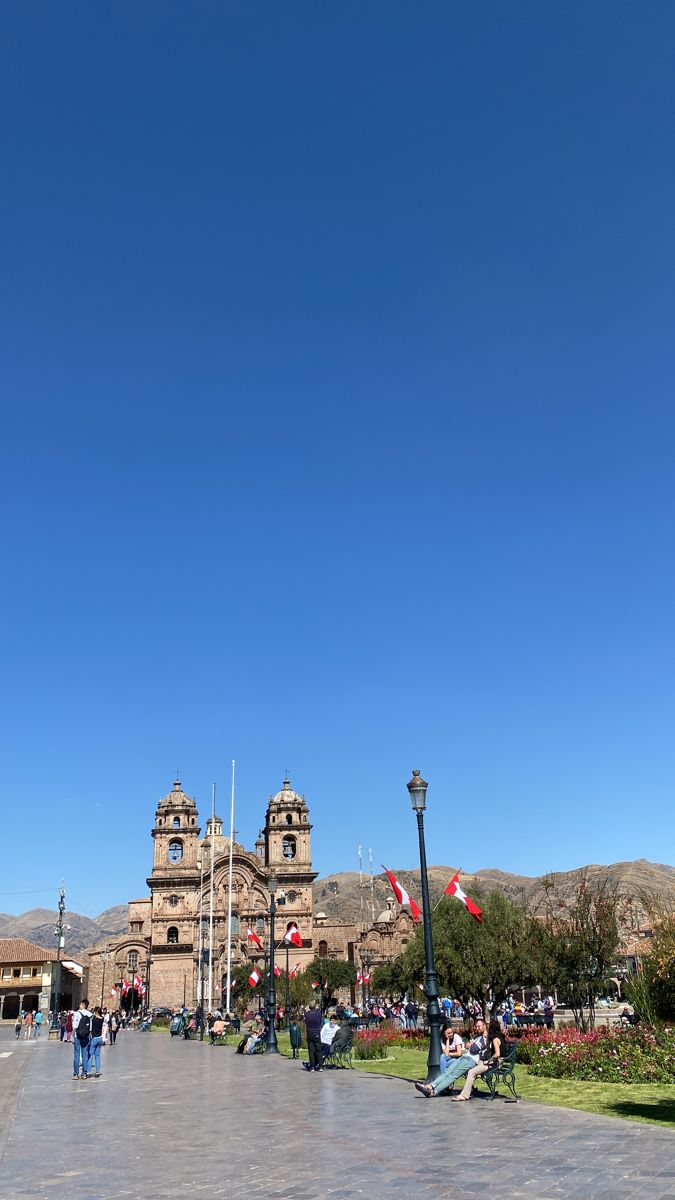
(642, 1054)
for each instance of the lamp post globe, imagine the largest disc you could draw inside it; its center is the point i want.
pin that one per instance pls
(271, 1046)
(417, 788)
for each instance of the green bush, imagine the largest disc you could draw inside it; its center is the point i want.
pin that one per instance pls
(641, 1054)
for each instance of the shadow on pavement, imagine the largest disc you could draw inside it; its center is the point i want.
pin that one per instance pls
(657, 1110)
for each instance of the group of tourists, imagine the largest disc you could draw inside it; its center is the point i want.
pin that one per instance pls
(90, 1030)
(29, 1023)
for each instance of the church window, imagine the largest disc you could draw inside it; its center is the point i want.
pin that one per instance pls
(234, 923)
(172, 935)
(260, 924)
(289, 819)
(176, 822)
(132, 960)
(288, 846)
(173, 900)
(323, 949)
(175, 850)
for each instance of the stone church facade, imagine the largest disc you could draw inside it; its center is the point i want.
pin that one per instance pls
(162, 945)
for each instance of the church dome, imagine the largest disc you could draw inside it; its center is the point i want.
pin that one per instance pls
(286, 796)
(177, 798)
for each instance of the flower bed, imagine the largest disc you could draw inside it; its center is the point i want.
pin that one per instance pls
(375, 1043)
(637, 1055)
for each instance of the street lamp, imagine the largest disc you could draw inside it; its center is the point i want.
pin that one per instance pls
(271, 1043)
(287, 998)
(418, 796)
(60, 941)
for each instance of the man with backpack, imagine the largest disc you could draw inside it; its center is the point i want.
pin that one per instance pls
(81, 1037)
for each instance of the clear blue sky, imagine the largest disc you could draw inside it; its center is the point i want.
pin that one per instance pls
(337, 429)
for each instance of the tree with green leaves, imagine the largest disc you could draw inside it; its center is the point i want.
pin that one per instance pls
(478, 962)
(577, 941)
(331, 974)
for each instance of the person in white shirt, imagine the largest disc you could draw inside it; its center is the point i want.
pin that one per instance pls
(328, 1032)
(460, 1066)
(81, 1039)
(452, 1046)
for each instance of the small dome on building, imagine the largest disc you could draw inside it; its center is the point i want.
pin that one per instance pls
(177, 798)
(287, 797)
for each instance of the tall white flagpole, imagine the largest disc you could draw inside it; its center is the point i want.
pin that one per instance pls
(213, 856)
(229, 901)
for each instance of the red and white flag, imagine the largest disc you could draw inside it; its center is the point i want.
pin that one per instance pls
(125, 986)
(293, 935)
(113, 991)
(277, 971)
(315, 983)
(453, 889)
(253, 937)
(254, 978)
(366, 978)
(137, 983)
(360, 978)
(294, 971)
(402, 896)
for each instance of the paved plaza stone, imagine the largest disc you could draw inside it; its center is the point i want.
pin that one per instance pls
(171, 1119)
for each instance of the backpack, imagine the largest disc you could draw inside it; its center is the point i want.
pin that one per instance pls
(242, 1045)
(84, 1027)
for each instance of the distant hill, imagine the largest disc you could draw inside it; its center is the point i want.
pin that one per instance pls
(38, 925)
(343, 899)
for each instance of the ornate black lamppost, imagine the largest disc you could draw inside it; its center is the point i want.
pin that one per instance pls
(418, 795)
(58, 934)
(271, 1042)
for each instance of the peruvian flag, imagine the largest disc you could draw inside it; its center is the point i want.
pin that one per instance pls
(402, 896)
(293, 935)
(113, 991)
(360, 978)
(277, 971)
(315, 983)
(366, 978)
(453, 889)
(253, 937)
(137, 983)
(254, 978)
(125, 986)
(294, 971)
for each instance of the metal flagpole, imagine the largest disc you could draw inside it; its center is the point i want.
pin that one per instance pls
(229, 898)
(213, 854)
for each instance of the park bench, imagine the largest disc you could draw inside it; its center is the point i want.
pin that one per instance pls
(502, 1072)
(340, 1058)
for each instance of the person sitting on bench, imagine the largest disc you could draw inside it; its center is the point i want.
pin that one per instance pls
(460, 1066)
(490, 1056)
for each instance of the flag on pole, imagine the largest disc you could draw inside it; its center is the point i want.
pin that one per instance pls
(366, 978)
(254, 978)
(295, 969)
(402, 896)
(277, 971)
(137, 983)
(315, 983)
(293, 935)
(453, 889)
(113, 991)
(253, 937)
(125, 986)
(359, 978)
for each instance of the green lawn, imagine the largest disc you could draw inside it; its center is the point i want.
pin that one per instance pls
(652, 1103)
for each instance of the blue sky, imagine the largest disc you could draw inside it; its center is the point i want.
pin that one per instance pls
(338, 432)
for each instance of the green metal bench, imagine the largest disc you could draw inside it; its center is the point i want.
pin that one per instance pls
(502, 1072)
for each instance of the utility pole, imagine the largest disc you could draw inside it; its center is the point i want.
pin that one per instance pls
(58, 934)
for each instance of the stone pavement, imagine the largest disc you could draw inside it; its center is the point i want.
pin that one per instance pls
(171, 1120)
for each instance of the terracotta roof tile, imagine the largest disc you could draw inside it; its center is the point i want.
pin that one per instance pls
(18, 950)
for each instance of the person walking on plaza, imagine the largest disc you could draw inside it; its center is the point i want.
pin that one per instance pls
(38, 1023)
(27, 1025)
(70, 1016)
(17, 1026)
(114, 1026)
(81, 1036)
(96, 1043)
(313, 1023)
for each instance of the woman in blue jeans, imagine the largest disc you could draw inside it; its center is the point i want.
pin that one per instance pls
(96, 1043)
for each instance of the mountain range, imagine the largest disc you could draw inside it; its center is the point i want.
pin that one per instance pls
(349, 897)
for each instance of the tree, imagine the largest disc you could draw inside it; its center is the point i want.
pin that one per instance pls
(473, 962)
(331, 974)
(652, 990)
(577, 942)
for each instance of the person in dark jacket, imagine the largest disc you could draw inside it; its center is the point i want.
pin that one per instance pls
(313, 1023)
